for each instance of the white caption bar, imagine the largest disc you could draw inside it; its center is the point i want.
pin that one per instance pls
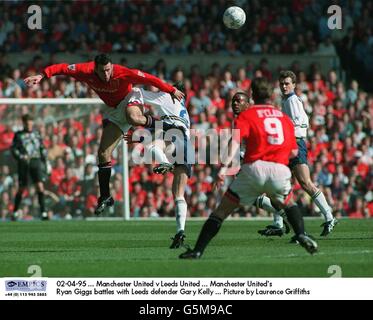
(186, 288)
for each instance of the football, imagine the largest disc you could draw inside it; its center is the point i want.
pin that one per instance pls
(234, 17)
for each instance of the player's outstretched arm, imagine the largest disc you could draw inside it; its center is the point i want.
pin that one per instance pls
(73, 70)
(33, 80)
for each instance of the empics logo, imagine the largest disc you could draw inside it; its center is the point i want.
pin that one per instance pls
(25, 285)
(11, 284)
(34, 21)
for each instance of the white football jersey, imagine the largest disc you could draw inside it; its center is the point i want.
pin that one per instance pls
(292, 105)
(170, 111)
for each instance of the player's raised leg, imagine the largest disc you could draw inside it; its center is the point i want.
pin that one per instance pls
(110, 138)
(163, 166)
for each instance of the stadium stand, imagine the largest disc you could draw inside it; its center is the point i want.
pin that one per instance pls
(340, 107)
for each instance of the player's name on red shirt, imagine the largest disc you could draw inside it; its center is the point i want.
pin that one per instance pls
(268, 134)
(269, 112)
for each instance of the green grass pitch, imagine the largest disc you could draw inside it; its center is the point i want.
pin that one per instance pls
(140, 249)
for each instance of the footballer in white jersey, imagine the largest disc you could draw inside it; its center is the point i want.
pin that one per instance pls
(175, 122)
(168, 110)
(173, 115)
(293, 107)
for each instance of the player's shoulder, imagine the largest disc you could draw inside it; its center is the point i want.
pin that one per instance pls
(293, 98)
(244, 115)
(245, 118)
(249, 111)
(82, 66)
(120, 71)
(118, 67)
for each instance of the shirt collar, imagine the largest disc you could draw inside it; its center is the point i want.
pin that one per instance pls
(287, 96)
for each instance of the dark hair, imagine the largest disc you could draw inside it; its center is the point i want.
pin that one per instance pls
(244, 94)
(27, 117)
(102, 59)
(261, 90)
(287, 74)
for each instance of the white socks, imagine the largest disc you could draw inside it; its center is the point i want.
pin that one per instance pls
(278, 221)
(265, 203)
(321, 203)
(181, 213)
(319, 199)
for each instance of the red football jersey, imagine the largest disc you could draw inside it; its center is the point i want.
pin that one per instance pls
(114, 91)
(268, 134)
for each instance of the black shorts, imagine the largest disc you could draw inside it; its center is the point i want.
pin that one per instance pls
(301, 158)
(33, 168)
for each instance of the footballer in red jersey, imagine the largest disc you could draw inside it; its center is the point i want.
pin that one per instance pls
(270, 142)
(268, 134)
(113, 84)
(240, 103)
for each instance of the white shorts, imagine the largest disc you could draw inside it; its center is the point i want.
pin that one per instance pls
(260, 177)
(118, 115)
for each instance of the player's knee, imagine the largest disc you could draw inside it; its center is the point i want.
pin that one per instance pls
(133, 119)
(135, 116)
(221, 214)
(178, 192)
(180, 199)
(104, 155)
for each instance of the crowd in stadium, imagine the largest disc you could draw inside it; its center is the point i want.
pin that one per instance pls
(341, 113)
(194, 26)
(340, 145)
